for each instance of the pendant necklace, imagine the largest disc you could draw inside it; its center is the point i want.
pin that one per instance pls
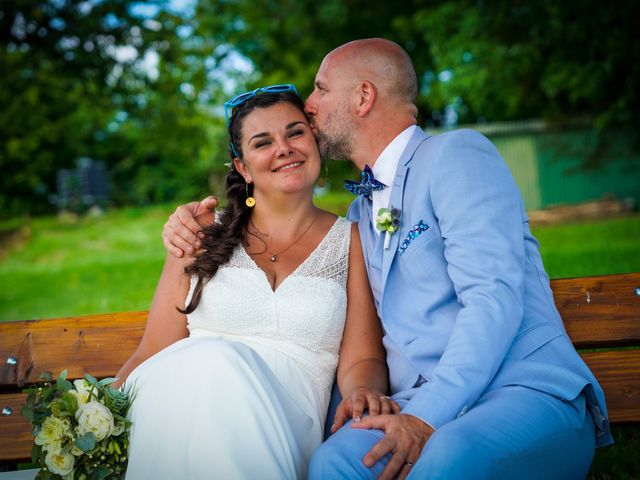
(274, 256)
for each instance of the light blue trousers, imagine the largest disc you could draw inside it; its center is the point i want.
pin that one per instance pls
(513, 432)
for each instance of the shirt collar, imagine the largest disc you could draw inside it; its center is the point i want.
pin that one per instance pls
(384, 169)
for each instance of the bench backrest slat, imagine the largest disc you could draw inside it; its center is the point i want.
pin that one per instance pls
(618, 372)
(16, 439)
(602, 311)
(95, 344)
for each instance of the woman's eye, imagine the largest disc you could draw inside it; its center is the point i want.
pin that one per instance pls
(262, 143)
(296, 133)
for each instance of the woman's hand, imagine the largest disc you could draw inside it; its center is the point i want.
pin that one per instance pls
(354, 404)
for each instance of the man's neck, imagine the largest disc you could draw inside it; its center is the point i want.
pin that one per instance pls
(371, 144)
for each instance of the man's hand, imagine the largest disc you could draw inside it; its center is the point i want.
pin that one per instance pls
(405, 436)
(183, 230)
(354, 405)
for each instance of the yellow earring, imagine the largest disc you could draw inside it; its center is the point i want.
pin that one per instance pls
(323, 181)
(250, 201)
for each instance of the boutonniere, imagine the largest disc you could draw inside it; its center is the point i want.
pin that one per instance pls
(388, 221)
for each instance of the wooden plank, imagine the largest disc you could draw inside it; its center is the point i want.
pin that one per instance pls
(96, 344)
(601, 311)
(16, 439)
(618, 372)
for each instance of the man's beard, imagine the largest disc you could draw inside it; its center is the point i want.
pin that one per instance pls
(335, 142)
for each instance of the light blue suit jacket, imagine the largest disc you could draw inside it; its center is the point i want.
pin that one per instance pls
(466, 307)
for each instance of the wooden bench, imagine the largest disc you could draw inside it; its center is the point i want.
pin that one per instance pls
(601, 314)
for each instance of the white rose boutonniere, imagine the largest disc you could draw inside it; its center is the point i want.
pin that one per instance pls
(388, 221)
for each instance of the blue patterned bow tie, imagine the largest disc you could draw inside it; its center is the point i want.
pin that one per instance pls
(366, 185)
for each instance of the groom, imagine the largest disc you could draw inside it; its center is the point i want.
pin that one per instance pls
(489, 383)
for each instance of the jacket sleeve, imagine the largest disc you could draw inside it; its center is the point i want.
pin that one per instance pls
(479, 212)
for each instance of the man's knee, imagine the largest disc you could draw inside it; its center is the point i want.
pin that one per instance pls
(328, 460)
(341, 455)
(451, 455)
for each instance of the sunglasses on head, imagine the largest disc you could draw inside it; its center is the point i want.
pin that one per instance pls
(243, 97)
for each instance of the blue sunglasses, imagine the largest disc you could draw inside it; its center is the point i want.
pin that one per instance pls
(243, 97)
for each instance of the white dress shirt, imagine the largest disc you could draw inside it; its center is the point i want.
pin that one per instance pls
(384, 170)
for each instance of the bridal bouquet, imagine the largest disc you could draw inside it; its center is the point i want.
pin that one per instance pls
(81, 431)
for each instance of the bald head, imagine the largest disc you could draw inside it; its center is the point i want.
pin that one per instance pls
(383, 62)
(364, 96)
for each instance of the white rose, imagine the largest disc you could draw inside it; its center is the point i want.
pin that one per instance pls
(383, 218)
(53, 430)
(59, 463)
(82, 390)
(95, 417)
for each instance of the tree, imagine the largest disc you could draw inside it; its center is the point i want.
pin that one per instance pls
(56, 58)
(490, 59)
(98, 79)
(524, 59)
(143, 91)
(286, 40)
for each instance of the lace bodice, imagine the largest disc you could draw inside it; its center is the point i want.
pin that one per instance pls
(303, 318)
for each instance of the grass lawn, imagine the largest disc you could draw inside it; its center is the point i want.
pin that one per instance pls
(53, 267)
(111, 263)
(92, 265)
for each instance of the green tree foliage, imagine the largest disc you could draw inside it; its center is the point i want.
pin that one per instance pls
(489, 60)
(143, 91)
(523, 59)
(166, 142)
(95, 79)
(55, 58)
(287, 39)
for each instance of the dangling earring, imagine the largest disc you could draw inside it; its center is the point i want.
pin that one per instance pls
(250, 201)
(323, 181)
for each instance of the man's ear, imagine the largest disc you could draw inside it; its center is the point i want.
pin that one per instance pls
(242, 169)
(367, 93)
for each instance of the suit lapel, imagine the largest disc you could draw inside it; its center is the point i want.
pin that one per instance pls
(397, 198)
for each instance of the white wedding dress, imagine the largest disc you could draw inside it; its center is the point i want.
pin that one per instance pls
(246, 394)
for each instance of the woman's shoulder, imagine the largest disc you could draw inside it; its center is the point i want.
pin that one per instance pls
(327, 220)
(338, 224)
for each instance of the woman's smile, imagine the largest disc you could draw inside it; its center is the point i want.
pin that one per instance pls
(287, 166)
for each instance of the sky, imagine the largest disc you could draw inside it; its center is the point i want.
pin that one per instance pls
(149, 9)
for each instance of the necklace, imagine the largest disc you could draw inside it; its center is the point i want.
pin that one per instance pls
(274, 256)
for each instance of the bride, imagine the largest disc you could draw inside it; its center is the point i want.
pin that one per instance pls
(232, 377)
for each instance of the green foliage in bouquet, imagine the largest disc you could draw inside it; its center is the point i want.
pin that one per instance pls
(81, 430)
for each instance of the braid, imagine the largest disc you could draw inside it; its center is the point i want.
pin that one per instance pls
(220, 239)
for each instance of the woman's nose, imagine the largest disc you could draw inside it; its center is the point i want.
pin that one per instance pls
(283, 147)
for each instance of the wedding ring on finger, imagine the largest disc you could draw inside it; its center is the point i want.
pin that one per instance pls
(384, 397)
(408, 464)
